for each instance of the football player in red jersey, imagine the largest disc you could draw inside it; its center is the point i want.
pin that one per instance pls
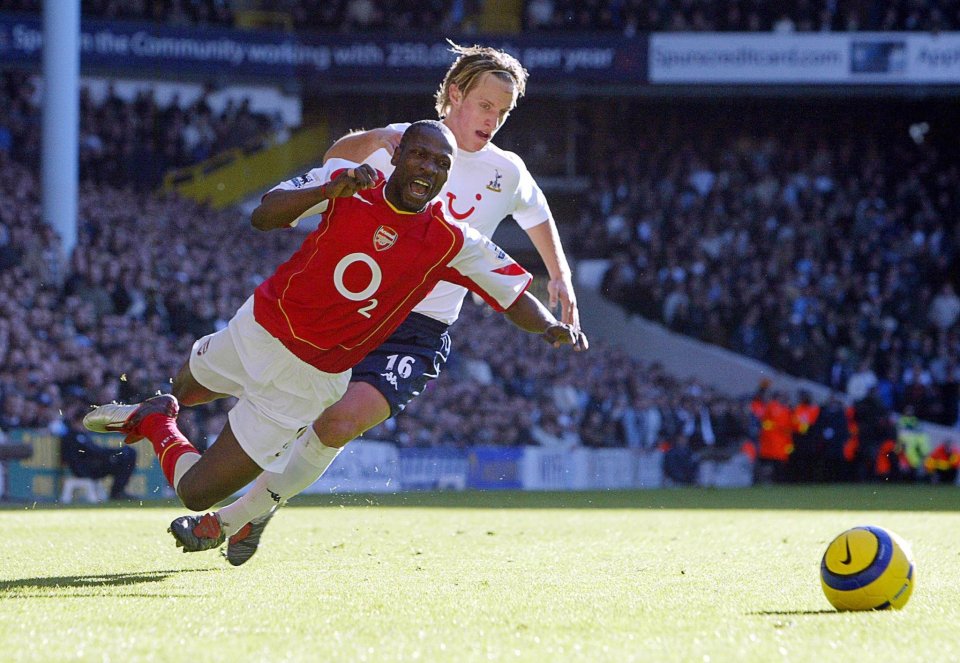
(287, 352)
(485, 185)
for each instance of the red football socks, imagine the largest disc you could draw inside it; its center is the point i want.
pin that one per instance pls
(167, 440)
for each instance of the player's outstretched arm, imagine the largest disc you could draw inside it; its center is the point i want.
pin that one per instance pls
(546, 239)
(358, 145)
(281, 207)
(530, 315)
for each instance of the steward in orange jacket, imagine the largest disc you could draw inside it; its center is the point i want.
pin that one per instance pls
(808, 450)
(943, 463)
(776, 430)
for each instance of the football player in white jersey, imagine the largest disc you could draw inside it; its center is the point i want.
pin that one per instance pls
(485, 185)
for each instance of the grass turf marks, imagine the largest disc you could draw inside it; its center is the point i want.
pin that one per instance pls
(682, 575)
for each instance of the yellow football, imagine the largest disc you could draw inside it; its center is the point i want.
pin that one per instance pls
(867, 568)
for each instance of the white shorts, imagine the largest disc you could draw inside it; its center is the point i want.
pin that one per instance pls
(279, 394)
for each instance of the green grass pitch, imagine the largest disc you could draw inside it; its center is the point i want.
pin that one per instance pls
(669, 575)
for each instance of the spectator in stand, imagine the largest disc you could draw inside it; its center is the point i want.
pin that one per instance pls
(874, 428)
(87, 459)
(631, 16)
(680, 463)
(173, 12)
(943, 462)
(361, 15)
(807, 449)
(913, 445)
(775, 437)
(862, 381)
(554, 430)
(945, 308)
(790, 264)
(830, 434)
(539, 14)
(124, 142)
(624, 16)
(597, 431)
(729, 432)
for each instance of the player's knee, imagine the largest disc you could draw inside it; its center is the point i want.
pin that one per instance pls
(196, 502)
(183, 387)
(187, 390)
(195, 497)
(361, 408)
(337, 427)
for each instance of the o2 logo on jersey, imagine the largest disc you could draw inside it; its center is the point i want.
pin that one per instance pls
(376, 277)
(384, 238)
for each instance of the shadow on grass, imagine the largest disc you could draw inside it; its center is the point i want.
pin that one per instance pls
(801, 497)
(790, 613)
(66, 586)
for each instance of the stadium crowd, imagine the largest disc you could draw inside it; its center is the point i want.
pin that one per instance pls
(822, 248)
(630, 17)
(627, 17)
(171, 12)
(685, 217)
(130, 142)
(116, 323)
(317, 15)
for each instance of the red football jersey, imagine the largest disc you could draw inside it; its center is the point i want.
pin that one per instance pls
(357, 276)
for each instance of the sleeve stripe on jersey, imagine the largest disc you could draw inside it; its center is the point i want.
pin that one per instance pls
(512, 269)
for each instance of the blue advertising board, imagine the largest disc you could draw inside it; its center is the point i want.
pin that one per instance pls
(495, 468)
(426, 469)
(198, 51)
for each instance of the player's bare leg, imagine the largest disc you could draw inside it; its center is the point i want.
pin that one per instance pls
(223, 470)
(200, 482)
(361, 408)
(190, 392)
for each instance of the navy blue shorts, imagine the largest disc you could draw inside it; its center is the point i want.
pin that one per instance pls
(403, 365)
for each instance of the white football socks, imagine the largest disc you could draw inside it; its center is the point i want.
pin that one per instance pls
(309, 459)
(184, 463)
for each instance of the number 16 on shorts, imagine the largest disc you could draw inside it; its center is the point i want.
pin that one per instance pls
(403, 368)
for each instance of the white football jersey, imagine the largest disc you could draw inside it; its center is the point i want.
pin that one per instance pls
(483, 188)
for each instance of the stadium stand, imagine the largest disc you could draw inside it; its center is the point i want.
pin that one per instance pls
(135, 296)
(131, 141)
(815, 240)
(171, 12)
(825, 250)
(134, 299)
(319, 15)
(628, 17)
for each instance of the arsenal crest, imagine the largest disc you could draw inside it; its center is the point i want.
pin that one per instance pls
(384, 238)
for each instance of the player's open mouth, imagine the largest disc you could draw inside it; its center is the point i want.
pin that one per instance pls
(484, 135)
(420, 188)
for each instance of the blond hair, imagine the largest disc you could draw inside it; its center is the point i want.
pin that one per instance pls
(471, 63)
